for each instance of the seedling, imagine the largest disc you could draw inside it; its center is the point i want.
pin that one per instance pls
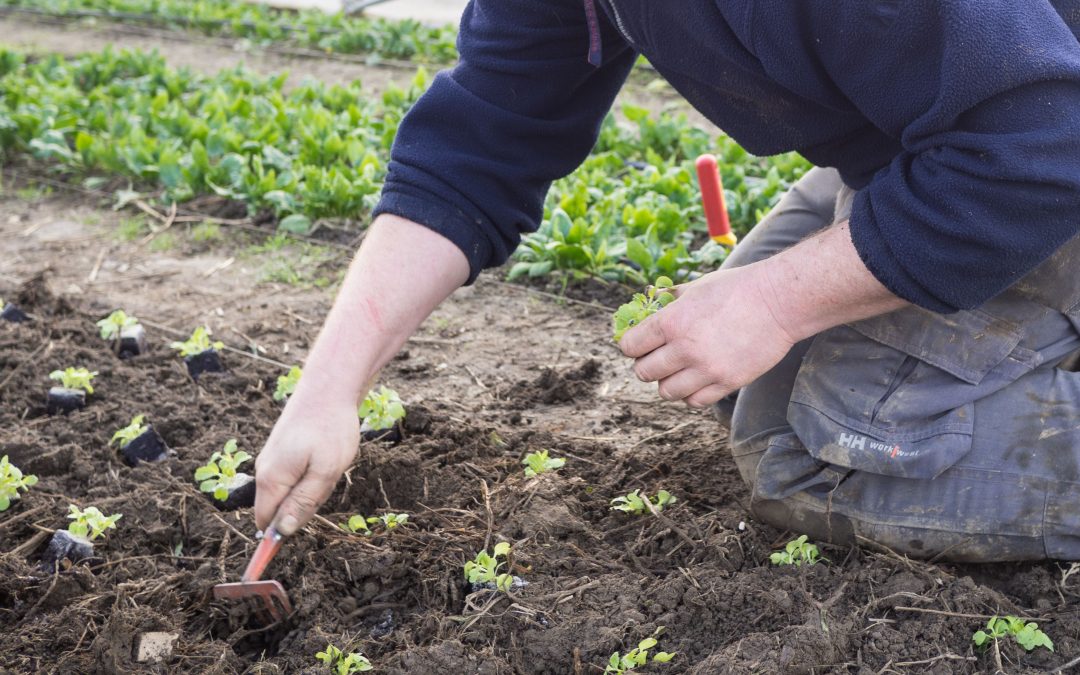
(200, 354)
(642, 306)
(219, 477)
(381, 412)
(125, 332)
(341, 663)
(11, 481)
(358, 524)
(484, 569)
(75, 544)
(10, 312)
(537, 463)
(796, 552)
(139, 442)
(71, 395)
(1026, 633)
(634, 502)
(618, 664)
(286, 384)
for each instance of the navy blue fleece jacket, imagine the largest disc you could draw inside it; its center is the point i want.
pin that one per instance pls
(957, 120)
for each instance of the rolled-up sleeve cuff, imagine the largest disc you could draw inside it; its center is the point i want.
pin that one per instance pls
(439, 216)
(872, 243)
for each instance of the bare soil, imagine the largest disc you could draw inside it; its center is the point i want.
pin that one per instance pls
(497, 372)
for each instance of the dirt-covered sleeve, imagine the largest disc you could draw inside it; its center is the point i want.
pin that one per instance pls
(475, 157)
(984, 98)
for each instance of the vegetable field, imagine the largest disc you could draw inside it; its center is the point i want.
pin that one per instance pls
(171, 237)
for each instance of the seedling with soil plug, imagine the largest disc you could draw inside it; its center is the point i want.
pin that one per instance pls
(482, 572)
(125, 332)
(382, 412)
(75, 544)
(1026, 633)
(231, 489)
(139, 442)
(341, 663)
(75, 384)
(358, 524)
(642, 306)
(619, 664)
(634, 502)
(9, 311)
(200, 354)
(286, 384)
(796, 552)
(537, 463)
(11, 481)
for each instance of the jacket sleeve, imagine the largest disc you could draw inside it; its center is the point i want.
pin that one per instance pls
(984, 98)
(475, 156)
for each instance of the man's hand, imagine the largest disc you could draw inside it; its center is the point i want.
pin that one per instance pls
(311, 445)
(730, 327)
(719, 335)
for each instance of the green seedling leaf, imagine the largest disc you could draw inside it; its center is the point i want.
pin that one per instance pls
(11, 481)
(111, 326)
(797, 552)
(539, 462)
(75, 378)
(382, 409)
(286, 384)
(635, 503)
(642, 306)
(90, 523)
(1026, 633)
(198, 343)
(129, 433)
(219, 474)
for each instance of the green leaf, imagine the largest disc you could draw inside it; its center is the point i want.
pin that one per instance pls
(502, 548)
(297, 223)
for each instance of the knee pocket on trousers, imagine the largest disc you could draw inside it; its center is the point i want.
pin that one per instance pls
(895, 395)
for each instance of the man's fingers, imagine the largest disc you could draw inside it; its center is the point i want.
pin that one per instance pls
(707, 396)
(302, 502)
(682, 384)
(661, 363)
(643, 338)
(269, 493)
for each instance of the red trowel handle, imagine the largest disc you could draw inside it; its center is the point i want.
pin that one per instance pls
(264, 553)
(712, 197)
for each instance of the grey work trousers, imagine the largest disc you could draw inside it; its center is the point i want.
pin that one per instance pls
(951, 436)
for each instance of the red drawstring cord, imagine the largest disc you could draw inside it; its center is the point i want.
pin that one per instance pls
(594, 33)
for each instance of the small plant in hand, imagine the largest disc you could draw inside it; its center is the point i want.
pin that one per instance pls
(618, 664)
(634, 502)
(358, 524)
(482, 572)
(9, 311)
(11, 481)
(382, 412)
(139, 442)
(75, 384)
(1026, 633)
(286, 384)
(797, 552)
(125, 332)
(75, 544)
(341, 663)
(641, 307)
(200, 354)
(539, 462)
(230, 488)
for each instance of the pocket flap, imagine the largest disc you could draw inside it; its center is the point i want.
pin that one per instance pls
(966, 344)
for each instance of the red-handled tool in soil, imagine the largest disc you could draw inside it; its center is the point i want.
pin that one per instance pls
(712, 198)
(270, 593)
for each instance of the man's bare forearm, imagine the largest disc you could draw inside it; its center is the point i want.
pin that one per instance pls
(822, 282)
(401, 273)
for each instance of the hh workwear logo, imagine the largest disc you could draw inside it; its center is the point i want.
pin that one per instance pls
(856, 442)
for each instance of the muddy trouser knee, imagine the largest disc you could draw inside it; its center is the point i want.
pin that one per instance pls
(952, 436)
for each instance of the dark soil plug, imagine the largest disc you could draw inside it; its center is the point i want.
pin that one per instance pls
(204, 362)
(391, 435)
(64, 400)
(13, 314)
(241, 494)
(132, 342)
(146, 447)
(66, 546)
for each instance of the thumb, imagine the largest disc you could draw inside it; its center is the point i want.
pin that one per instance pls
(302, 501)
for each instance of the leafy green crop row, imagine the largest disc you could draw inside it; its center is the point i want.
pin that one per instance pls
(630, 213)
(404, 39)
(316, 151)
